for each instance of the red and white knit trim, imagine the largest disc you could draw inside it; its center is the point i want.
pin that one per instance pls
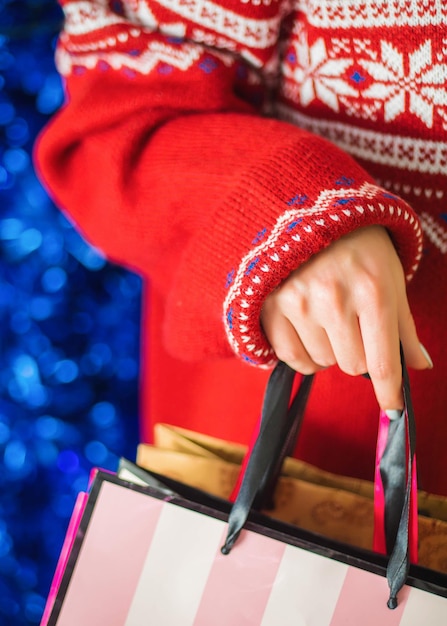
(295, 229)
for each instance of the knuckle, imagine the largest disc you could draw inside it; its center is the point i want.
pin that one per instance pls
(296, 361)
(370, 289)
(288, 354)
(353, 369)
(382, 371)
(292, 298)
(325, 361)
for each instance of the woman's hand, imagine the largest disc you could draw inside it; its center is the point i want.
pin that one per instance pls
(348, 305)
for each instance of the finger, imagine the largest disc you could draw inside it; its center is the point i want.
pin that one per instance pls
(380, 334)
(344, 335)
(287, 344)
(315, 341)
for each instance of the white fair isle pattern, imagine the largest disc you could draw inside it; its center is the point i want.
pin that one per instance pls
(400, 82)
(434, 232)
(419, 88)
(413, 190)
(179, 57)
(318, 76)
(416, 155)
(82, 18)
(252, 33)
(250, 275)
(377, 13)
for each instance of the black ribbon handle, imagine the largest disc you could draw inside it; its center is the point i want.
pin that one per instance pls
(281, 420)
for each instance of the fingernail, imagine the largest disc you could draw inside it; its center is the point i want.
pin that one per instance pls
(394, 414)
(427, 356)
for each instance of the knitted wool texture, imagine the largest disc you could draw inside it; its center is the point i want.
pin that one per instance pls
(193, 146)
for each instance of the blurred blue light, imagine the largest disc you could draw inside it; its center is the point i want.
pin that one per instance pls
(10, 228)
(7, 295)
(103, 414)
(33, 81)
(14, 457)
(16, 160)
(26, 576)
(17, 132)
(37, 342)
(41, 308)
(26, 367)
(20, 322)
(49, 316)
(63, 506)
(37, 396)
(66, 371)
(80, 483)
(46, 453)
(30, 240)
(7, 113)
(68, 461)
(102, 352)
(52, 248)
(6, 178)
(5, 544)
(54, 279)
(96, 452)
(35, 195)
(34, 606)
(9, 607)
(126, 368)
(5, 433)
(6, 59)
(48, 427)
(93, 259)
(50, 96)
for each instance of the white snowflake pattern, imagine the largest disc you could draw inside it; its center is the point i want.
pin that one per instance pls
(319, 76)
(417, 83)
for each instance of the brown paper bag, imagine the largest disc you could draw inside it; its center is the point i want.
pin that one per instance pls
(337, 507)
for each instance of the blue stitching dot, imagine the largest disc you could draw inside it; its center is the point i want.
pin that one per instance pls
(298, 199)
(260, 236)
(246, 358)
(343, 201)
(251, 266)
(294, 223)
(230, 318)
(357, 77)
(230, 278)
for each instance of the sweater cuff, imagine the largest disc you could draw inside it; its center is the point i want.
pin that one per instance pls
(301, 231)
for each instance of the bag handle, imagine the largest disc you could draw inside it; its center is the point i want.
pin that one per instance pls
(280, 424)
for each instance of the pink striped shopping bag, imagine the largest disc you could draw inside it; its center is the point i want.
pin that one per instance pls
(142, 555)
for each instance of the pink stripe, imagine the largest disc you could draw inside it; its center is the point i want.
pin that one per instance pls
(379, 541)
(363, 599)
(72, 529)
(239, 584)
(111, 558)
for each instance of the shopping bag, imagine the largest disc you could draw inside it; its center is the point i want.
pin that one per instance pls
(337, 507)
(152, 555)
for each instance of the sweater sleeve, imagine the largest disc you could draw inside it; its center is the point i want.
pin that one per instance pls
(162, 158)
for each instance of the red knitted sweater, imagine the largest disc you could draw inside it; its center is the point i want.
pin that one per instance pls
(215, 146)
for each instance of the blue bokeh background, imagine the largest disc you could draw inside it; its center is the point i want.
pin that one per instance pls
(69, 332)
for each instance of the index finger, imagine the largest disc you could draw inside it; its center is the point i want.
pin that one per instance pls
(380, 335)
